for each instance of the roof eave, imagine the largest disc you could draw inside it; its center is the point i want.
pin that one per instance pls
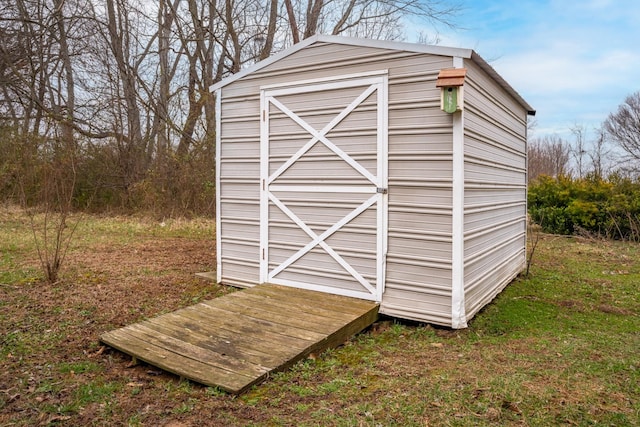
(351, 41)
(502, 82)
(259, 65)
(381, 44)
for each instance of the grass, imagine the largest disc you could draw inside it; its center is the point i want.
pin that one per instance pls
(557, 347)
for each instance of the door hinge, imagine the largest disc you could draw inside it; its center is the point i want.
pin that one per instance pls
(262, 253)
(264, 115)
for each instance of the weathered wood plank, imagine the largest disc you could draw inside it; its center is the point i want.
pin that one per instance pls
(208, 356)
(335, 338)
(185, 367)
(246, 336)
(296, 305)
(333, 302)
(292, 319)
(236, 340)
(242, 319)
(230, 343)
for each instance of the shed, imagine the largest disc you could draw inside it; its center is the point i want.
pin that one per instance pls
(338, 170)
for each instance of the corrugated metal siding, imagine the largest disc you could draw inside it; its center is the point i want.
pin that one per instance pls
(419, 240)
(239, 209)
(495, 189)
(420, 193)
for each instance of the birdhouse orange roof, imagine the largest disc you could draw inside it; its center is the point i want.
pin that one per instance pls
(451, 77)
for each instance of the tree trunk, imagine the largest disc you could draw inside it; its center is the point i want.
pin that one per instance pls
(314, 8)
(295, 33)
(133, 148)
(68, 109)
(271, 31)
(164, 27)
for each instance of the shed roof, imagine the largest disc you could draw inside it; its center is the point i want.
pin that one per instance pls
(381, 44)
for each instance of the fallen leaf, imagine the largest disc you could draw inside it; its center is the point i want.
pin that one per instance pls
(134, 384)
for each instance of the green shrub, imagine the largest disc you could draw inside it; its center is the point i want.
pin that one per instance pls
(605, 207)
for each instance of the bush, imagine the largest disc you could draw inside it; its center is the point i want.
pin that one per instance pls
(609, 208)
(170, 186)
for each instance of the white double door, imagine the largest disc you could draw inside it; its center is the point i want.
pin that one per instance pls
(323, 185)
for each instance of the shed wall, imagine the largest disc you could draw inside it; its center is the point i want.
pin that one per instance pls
(495, 188)
(418, 282)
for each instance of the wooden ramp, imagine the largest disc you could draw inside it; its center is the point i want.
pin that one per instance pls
(236, 340)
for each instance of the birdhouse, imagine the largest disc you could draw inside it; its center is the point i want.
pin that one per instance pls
(451, 84)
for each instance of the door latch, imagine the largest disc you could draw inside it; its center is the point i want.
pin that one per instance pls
(381, 190)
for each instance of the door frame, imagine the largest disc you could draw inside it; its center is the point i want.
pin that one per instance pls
(379, 182)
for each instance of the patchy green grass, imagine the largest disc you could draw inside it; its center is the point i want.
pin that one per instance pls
(558, 347)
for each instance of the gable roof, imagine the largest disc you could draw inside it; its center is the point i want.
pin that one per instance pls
(381, 44)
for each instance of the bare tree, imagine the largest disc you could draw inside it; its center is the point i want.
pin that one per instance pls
(623, 127)
(39, 95)
(166, 18)
(548, 155)
(51, 225)
(380, 19)
(591, 154)
(600, 155)
(383, 18)
(25, 79)
(66, 111)
(199, 34)
(120, 35)
(14, 62)
(293, 21)
(271, 30)
(314, 9)
(579, 149)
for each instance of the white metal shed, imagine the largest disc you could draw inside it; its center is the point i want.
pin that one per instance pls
(338, 171)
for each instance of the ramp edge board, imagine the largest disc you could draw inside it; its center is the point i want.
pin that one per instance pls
(221, 342)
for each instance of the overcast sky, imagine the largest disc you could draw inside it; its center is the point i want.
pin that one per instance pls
(573, 61)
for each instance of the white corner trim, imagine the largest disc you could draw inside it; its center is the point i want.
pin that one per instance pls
(218, 94)
(264, 194)
(383, 176)
(458, 312)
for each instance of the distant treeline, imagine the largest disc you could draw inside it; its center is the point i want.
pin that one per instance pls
(39, 172)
